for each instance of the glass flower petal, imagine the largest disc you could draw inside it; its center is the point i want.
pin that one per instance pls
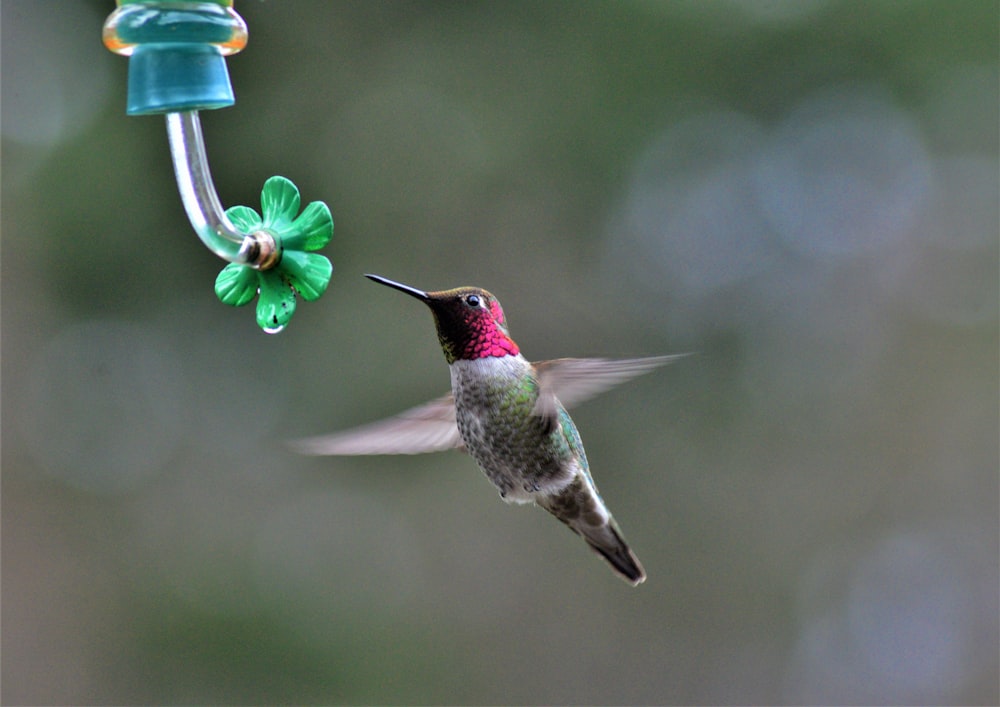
(312, 229)
(277, 301)
(236, 285)
(279, 200)
(244, 218)
(308, 273)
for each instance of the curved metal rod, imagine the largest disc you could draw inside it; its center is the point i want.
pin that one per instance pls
(209, 220)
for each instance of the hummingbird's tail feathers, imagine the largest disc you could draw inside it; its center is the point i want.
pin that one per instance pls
(426, 428)
(607, 541)
(580, 508)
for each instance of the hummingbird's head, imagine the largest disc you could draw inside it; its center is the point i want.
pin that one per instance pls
(470, 321)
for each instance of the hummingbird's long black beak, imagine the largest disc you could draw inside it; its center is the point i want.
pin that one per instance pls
(412, 291)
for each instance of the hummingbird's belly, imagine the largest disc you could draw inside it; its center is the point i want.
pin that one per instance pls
(509, 442)
(518, 461)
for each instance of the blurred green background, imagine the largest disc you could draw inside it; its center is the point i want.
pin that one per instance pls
(804, 193)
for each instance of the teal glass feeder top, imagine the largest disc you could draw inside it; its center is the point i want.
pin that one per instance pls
(177, 66)
(177, 52)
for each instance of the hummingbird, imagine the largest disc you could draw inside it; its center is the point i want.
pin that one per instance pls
(509, 414)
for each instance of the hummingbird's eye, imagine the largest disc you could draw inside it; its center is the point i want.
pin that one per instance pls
(472, 300)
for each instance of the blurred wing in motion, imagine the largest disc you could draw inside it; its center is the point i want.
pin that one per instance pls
(432, 427)
(574, 380)
(427, 428)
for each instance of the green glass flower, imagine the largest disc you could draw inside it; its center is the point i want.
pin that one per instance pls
(308, 274)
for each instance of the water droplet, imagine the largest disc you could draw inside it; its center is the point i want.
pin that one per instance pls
(274, 329)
